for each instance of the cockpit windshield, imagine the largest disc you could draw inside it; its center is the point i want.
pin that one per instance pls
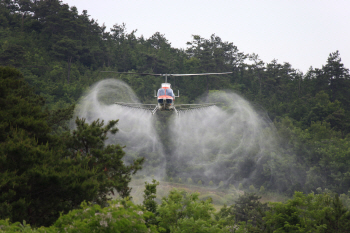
(170, 92)
(163, 91)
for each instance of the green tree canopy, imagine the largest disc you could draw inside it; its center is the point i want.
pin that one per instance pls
(40, 179)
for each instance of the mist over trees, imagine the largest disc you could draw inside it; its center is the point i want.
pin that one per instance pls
(57, 53)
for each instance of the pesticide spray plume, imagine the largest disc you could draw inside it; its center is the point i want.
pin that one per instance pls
(229, 144)
(136, 127)
(222, 145)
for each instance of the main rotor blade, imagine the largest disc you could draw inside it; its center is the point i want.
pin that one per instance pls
(131, 73)
(199, 74)
(168, 74)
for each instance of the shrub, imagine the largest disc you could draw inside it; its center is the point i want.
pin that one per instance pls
(309, 213)
(211, 183)
(185, 212)
(199, 182)
(319, 190)
(93, 218)
(240, 186)
(252, 188)
(189, 180)
(262, 189)
(108, 219)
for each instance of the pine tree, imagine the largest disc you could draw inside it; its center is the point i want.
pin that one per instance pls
(252, 188)
(248, 207)
(40, 179)
(88, 141)
(149, 202)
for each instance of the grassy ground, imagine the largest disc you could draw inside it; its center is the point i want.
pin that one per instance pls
(219, 196)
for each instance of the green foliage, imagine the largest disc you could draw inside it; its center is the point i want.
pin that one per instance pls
(262, 189)
(199, 182)
(309, 213)
(37, 180)
(249, 208)
(93, 218)
(211, 183)
(80, 175)
(29, 180)
(252, 188)
(226, 219)
(112, 218)
(189, 181)
(6, 226)
(57, 119)
(150, 194)
(184, 212)
(320, 154)
(88, 141)
(149, 202)
(309, 110)
(248, 211)
(44, 174)
(345, 198)
(232, 187)
(20, 107)
(221, 184)
(240, 186)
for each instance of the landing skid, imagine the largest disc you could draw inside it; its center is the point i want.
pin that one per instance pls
(177, 112)
(155, 110)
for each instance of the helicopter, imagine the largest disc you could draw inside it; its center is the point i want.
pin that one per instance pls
(166, 97)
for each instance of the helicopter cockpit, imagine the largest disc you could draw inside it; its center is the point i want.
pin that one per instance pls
(165, 93)
(168, 92)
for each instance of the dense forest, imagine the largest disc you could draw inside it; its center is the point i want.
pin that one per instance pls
(51, 54)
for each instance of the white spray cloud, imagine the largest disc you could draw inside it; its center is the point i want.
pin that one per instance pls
(136, 127)
(215, 144)
(230, 143)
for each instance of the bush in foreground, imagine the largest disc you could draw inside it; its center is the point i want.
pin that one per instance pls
(119, 216)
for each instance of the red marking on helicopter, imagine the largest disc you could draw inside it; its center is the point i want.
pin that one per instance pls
(165, 97)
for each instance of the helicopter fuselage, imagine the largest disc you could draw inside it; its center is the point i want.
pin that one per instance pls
(166, 97)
